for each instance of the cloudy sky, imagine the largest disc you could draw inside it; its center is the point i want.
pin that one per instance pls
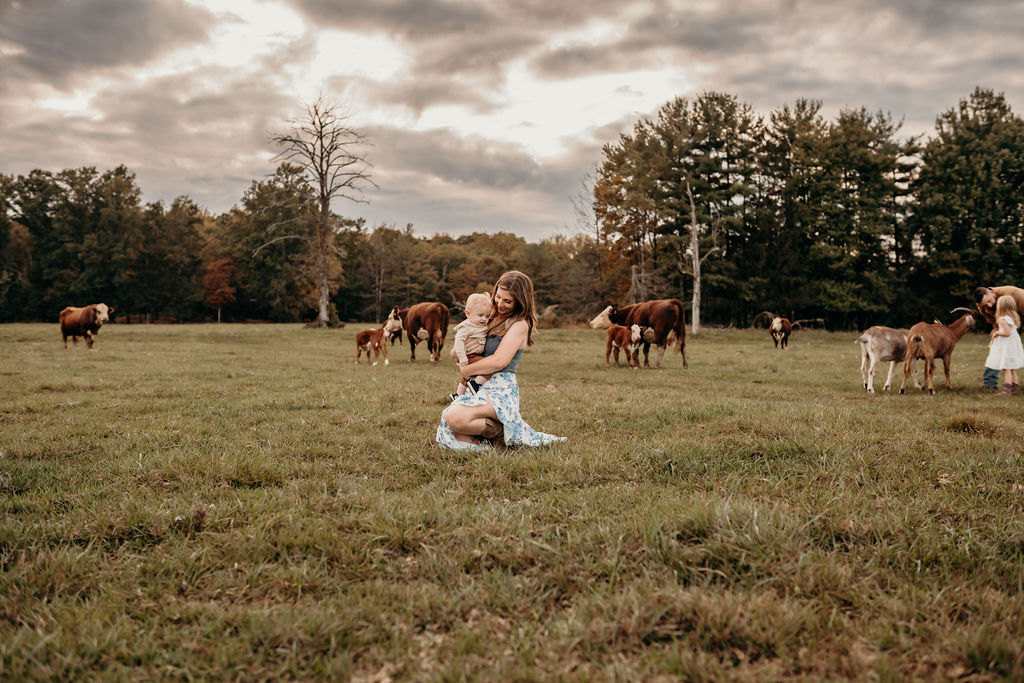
(483, 115)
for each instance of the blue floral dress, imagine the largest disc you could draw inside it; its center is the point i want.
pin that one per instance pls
(503, 390)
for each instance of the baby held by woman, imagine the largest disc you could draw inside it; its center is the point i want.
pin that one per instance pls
(470, 336)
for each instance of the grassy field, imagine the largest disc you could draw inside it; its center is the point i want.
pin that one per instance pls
(242, 501)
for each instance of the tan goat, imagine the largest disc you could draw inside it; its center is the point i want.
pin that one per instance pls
(934, 340)
(880, 344)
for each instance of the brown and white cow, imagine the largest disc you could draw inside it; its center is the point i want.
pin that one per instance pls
(426, 321)
(780, 329)
(663, 320)
(393, 326)
(83, 322)
(627, 339)
(372, 340)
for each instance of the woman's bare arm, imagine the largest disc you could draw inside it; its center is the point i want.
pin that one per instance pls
(502, 356)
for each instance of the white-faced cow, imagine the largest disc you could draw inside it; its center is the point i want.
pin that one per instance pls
(780, 330)
(393, 326)
(83, 322)
(663, 320)
(426, 321)
(627, 339)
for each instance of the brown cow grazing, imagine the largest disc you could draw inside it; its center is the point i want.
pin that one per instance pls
(780, 329)
(664, 321)
(372, 340)
(83, 322)
(627, 339)
(426, 321)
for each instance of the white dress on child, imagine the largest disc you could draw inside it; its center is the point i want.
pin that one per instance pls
(1006, 353)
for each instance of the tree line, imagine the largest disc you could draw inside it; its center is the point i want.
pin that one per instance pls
(707, 201)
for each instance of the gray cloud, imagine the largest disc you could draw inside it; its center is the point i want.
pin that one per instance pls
(205, 133)
(444, 183)
(453, 158)
(459, 39)
(55, 40)
(420, 94)
(411, 19)
(179, 138)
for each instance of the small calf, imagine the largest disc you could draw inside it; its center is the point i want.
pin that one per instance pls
(626, 338)
(375, 340)
(780, 330)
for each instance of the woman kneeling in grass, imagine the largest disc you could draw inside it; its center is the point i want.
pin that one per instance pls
(492, 414)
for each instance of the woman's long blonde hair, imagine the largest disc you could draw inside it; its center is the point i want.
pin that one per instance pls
(520, 286)
(1007, 305)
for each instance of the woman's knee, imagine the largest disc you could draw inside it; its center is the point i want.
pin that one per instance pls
(455, 418)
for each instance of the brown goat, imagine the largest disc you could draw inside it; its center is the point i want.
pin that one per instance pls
(934, 340)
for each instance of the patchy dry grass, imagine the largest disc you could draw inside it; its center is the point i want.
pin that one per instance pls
(206, 501)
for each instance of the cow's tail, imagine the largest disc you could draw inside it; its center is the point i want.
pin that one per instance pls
(680, 330)
(442, 329)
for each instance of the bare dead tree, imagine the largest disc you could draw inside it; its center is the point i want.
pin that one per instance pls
(692, 257)
(328, 151)
(587, 223)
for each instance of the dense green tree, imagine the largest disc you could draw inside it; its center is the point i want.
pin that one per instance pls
(791, 187)
(627, 211)
(351, 299)
(445, 256)
(969, 211)
(111, 263)
(709, 150)
(171, 258)
(704, 147)
(850, 259)
(31, 201)
(266, 238)
(217, 289)
(398, 271)
(801, 216)
(15, 256)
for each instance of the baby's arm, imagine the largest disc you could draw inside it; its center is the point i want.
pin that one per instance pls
(460, 347)
(475, 343)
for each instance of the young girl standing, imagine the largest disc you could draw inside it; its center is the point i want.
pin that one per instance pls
(1005, 351)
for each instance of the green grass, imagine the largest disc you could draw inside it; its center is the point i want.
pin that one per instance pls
(242, 501)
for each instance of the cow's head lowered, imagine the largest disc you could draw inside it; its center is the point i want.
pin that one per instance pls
(393, 326)
(604, 319)
(393, 323)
